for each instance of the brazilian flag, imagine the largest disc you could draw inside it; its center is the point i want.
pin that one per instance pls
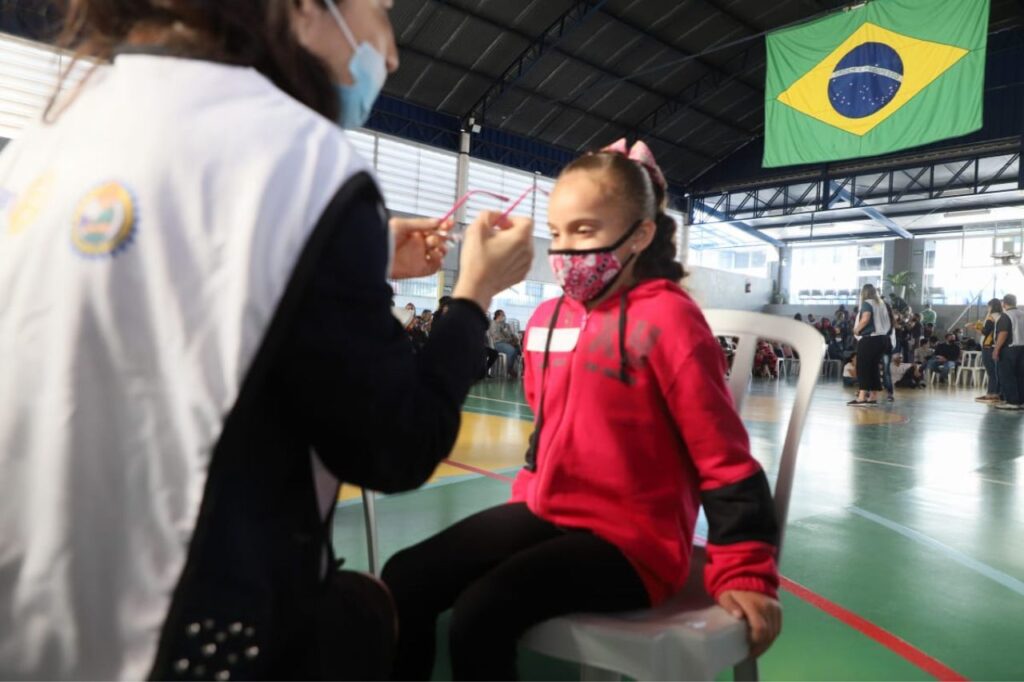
(874, 79)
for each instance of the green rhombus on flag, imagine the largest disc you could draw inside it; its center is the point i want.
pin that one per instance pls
(878, 78)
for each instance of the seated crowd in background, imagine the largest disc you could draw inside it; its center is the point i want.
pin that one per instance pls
(505, 340)
(502, 338)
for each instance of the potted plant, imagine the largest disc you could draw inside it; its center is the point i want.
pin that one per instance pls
(779, 296)
(901, 282)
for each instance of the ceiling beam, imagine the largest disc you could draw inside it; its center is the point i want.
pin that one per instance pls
(686, 54)
(555, 104)
(575, 16)
(738, 224)
(700, 89)
(732, 16)
(885, 221)
(614, 75)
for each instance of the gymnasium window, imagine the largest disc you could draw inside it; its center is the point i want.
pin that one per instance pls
(824, 268)
(959, 269)
(721, 246)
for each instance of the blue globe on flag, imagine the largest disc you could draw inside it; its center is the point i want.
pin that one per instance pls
(865, 80)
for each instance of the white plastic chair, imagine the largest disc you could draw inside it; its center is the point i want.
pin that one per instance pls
(690, 637)
(831, 367)
(971, 368)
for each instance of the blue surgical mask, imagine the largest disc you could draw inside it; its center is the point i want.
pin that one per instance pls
(369, 71)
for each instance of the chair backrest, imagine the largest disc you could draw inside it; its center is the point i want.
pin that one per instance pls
(971, 358)
(807, 342)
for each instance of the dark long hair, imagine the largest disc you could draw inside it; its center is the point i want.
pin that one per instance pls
(254, 33)
(633, 186)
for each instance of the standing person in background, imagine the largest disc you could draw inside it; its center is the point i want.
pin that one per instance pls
(873, 327)
(442, 305)
(505, 340)
(892, 351)
(902, 328)
(426, 322)
(928, 316)
(914, 332)
(1009, 354)
(201, 309)
(988, 342)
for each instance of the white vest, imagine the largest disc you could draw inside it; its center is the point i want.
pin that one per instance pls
(1017, 326)
(147, 238)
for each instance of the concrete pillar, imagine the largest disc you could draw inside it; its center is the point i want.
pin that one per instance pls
(450, 268)
(786, 274)
(907, 254)
(684, 243)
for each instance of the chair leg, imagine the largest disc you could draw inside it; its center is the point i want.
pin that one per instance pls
(746, 671)
(591, 674)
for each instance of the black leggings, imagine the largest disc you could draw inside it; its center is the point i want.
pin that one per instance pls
(504, 570)
(870, 350)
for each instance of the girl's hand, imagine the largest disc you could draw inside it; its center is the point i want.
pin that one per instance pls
(762, 613)
(419, 246)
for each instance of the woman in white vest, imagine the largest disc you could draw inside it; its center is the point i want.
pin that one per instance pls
(874, 326)
(197, 344)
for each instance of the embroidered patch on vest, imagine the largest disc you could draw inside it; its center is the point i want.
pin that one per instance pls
(104, 221)
(25, 208)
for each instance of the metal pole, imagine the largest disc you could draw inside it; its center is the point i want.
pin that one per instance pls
(461, 187)
(372, 544)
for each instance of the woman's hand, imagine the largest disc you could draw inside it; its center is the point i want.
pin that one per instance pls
(496, 254)
(419, 246)
(762, 613)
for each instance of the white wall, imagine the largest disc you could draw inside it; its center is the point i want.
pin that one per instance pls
(721, 289)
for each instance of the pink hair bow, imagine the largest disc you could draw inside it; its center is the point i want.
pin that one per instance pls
(643, 155)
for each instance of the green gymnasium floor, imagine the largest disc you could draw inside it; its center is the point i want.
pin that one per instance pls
(904, 552)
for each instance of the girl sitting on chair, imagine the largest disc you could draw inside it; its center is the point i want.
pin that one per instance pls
(635, 429)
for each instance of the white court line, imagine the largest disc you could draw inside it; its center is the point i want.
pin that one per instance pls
(992, 480)
(956, 555)
(491, 412)
(907, 466)
(888, 464)
(480, 397)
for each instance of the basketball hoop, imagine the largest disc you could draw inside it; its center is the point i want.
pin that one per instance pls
(1007, 258)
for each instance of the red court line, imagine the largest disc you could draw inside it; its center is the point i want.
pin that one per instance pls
(900, 647)
(890, 641)
(476, 470)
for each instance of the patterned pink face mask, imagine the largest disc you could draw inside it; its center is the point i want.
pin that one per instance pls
(586, 275)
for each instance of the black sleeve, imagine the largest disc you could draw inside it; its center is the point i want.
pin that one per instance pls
(1004, 325)
(987, 328)
(377, 414)
(741, 512)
